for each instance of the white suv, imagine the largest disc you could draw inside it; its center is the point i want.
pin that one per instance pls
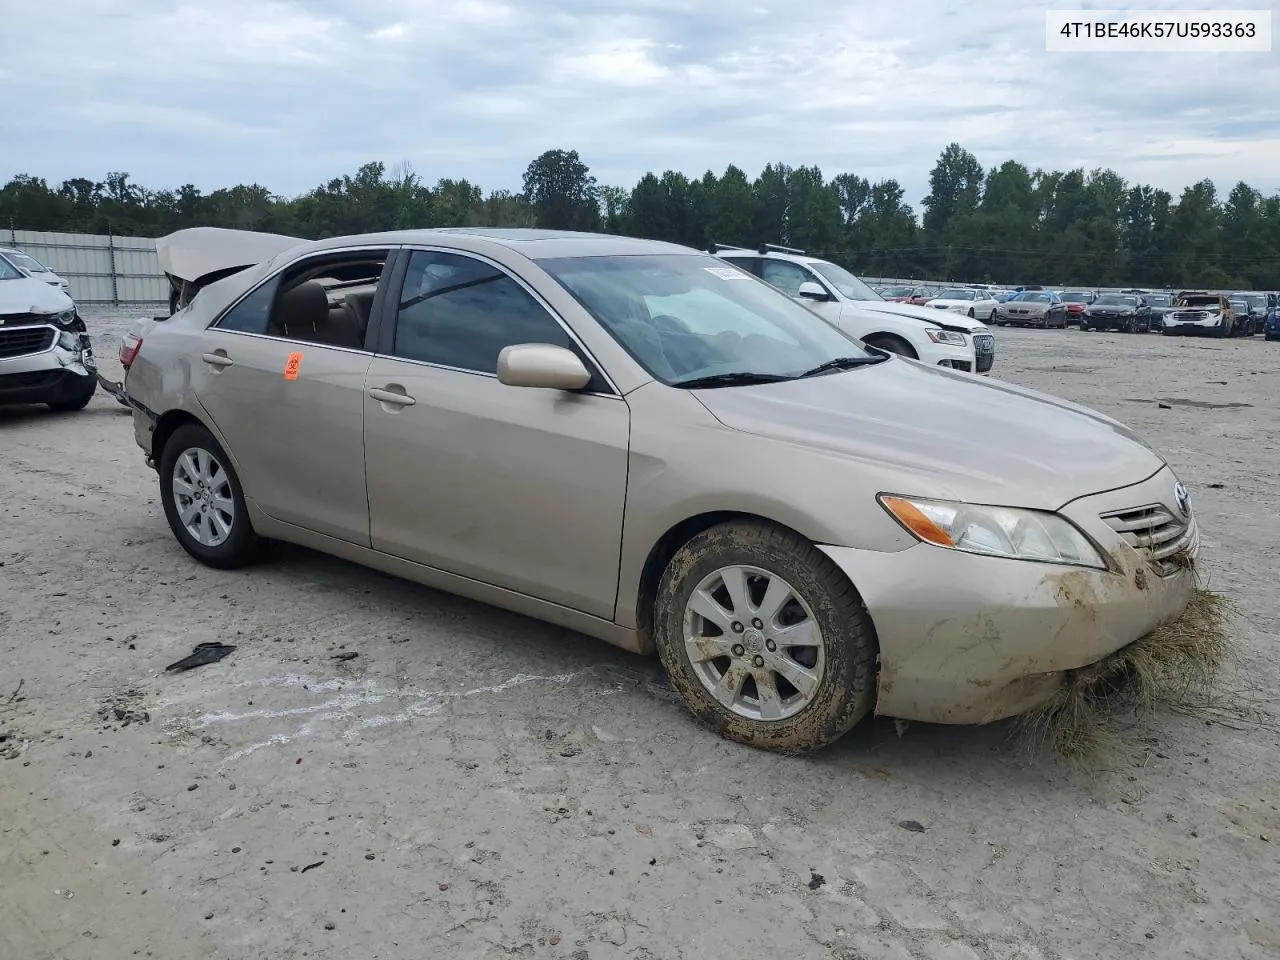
(950, 340)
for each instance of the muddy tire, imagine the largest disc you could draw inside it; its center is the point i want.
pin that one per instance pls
(204, 502)
(738, 666)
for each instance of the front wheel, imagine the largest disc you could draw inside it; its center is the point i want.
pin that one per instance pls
(893, 345)
(203, 500)
(764, 638)
(78, 399)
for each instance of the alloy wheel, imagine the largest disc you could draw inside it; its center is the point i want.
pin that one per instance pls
(202, 493)
(754, 643)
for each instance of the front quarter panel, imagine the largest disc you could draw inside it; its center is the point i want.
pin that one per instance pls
(685, 463)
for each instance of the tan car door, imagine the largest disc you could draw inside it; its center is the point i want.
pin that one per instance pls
(290, 409)
(517, 487)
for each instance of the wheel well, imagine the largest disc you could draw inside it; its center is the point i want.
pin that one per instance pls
(165, 428)
(897, 338)
(656, 563)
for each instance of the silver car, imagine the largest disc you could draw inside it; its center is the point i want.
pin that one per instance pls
(645, 444)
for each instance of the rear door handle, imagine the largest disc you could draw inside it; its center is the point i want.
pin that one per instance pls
(217, 359)
(396, 398)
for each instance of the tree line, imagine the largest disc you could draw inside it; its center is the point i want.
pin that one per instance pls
(1008, 224)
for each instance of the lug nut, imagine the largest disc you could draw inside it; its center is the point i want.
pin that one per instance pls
(758, 623)
(738, 650)
(737, 627)
(758, 661)
(770, 645)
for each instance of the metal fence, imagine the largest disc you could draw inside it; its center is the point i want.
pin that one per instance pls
(101, 269)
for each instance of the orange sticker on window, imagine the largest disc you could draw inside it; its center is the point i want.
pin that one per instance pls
(292, 366)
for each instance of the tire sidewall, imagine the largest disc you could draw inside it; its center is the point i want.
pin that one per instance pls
(239, 548)
(847, 689)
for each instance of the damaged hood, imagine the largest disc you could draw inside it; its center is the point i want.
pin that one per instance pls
(29, 295)
(950, 435)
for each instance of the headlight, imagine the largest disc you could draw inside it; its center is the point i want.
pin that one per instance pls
(63, 317)
(1009, 532)
(946, 336)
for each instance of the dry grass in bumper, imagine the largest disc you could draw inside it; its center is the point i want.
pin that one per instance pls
(1175, 665)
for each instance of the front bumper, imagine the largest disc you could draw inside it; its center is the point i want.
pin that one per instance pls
(971, 639)
(1193, 326)
(57, 373)
(973, 357)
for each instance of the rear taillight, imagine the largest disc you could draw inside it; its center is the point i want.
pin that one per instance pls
(129, 348)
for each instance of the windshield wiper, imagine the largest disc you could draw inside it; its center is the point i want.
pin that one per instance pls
(843, 363)
(736, 379)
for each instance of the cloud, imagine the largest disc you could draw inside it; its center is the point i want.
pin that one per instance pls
(290, 93)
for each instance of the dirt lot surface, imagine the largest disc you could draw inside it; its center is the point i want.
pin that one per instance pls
(478, 785)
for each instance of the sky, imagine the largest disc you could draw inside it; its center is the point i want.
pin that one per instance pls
(290, 93)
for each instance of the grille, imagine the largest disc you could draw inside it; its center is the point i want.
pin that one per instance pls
(20, 341)
(984, 350)
(1191, 315)
(1163, 538)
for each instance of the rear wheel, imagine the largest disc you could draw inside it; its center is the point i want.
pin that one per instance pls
(764, 638)
(893, 344)
(203, 500)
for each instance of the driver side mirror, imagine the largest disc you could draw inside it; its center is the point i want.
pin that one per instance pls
(809, 290)
(542, 365)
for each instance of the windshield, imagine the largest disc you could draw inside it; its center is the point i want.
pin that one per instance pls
(1158, 300)
(1072, 296)
(1030, 296)
(8, 271)
(1115, 300)
(1200, 302)
(898, 292)
(29, 264)
(956, 294)
(849, 286)
(684, 317)
(1258, 302)
(1239, 306)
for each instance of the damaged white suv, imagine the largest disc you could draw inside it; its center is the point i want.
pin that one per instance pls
(944, 339)
(45, 353)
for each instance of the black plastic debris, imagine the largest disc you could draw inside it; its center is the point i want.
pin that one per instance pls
(202, 654)
(816, 880)
(345, 656)
(913, 825)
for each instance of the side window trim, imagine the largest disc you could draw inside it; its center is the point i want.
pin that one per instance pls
(385, 279)
(385, 347)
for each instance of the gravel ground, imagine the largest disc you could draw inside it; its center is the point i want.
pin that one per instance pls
(478, 785)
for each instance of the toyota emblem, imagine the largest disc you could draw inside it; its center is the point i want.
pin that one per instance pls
(1183, 497)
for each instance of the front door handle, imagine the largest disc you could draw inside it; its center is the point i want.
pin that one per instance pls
(395, 397)
(218, 359)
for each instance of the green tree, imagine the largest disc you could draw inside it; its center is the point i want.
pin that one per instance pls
(562, 192)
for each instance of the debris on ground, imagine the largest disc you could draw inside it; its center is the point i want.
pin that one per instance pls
(201, 654)
(124, 709)
(914, 826)
(816, 880)
(345, 656)
(1176, 665)
(312, 866)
